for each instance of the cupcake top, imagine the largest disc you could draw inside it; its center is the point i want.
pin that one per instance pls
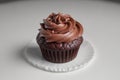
(60, 28)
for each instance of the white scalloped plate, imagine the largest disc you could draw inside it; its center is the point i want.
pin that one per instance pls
(34, 57)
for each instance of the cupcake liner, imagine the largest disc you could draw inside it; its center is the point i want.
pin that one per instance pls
(59, 52)
(59, 56)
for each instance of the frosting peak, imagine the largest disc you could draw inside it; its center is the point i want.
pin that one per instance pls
(60, 28)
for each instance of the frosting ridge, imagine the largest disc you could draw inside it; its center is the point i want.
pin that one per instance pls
(60, 28)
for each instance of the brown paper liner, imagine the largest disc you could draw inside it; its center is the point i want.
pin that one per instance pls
(59, 56)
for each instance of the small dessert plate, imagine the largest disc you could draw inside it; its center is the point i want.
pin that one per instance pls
(34, 57)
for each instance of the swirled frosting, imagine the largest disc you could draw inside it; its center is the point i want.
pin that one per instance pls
(60, 28)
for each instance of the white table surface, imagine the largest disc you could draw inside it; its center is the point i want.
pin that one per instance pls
(19, 24)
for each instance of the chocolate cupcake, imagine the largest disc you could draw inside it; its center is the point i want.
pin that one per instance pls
(59, 38)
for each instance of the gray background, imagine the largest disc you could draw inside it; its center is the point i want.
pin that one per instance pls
(19, 24)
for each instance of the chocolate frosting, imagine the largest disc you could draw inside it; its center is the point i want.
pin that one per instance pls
(60, 28)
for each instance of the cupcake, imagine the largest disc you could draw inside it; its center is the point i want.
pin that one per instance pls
(59, 38)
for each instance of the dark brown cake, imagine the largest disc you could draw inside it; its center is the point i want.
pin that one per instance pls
(59, 52)
(59, 38)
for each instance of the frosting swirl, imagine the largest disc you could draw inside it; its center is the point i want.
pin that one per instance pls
(60, 28)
